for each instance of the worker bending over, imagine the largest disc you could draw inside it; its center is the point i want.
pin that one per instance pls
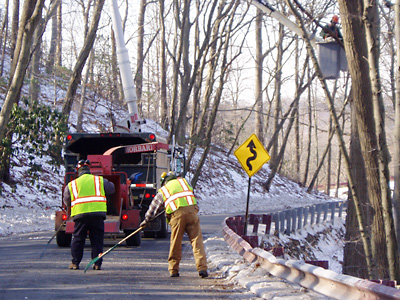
(176, 196)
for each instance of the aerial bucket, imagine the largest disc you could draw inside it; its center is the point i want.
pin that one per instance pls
(331, 59)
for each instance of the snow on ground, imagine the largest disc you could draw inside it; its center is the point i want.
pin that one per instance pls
(26, 208)
(29, 206)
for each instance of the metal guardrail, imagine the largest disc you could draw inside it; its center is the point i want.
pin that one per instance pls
(326, 282)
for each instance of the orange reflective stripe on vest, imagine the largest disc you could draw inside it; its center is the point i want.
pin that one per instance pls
(177, 193)
(87, 195)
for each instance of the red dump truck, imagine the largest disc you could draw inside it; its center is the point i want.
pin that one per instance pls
(134, 163)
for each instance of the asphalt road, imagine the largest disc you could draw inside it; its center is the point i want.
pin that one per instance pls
(128, 272)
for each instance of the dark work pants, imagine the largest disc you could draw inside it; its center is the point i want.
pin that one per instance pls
(95, 226)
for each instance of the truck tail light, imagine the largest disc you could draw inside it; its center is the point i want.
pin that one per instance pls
(124, 217)
(147, 195)
(64, 217)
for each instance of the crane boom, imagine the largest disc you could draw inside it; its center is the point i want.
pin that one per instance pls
(272, 12)
(132, 123)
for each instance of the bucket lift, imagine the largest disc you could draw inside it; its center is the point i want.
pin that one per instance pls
(331, 56)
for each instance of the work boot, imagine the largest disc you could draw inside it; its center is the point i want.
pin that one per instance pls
(175, 274)
(74, 266)
(95, 267)
(203, 274)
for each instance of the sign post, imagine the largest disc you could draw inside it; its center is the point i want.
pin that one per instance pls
(252, 156)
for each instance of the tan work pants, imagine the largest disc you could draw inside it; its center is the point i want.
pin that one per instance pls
(185, 219)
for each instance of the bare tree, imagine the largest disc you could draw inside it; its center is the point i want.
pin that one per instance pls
(163, 70)
(258, 76)
(140, 55)
(14, 27)
(360, 216)
(396, 156)
(4, 36)
(31, 16)
(53, 40)
(83, 55)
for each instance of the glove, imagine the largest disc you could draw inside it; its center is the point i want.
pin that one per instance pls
(143, 224)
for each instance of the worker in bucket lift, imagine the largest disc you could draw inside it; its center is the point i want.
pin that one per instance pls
(86, 198)
(177, 198)
(331, 29)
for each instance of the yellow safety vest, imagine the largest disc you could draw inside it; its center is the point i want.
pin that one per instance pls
(177, 193)
(87, 195)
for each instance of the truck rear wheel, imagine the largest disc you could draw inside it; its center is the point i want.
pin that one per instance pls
(149, 234)
(63, 239)
(134, 240)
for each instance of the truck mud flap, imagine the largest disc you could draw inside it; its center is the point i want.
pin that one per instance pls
(109, 227)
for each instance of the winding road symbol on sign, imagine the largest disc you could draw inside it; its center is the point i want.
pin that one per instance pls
(252, 155)
(251, 146)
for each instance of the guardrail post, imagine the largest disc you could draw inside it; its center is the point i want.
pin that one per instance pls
(266, 219)
(325, 207)
(299, 218)
(275, 219)
(312, 213)
(288, 222)
(333, 210)
(340, 205)
(319, 210)
(306, 211)
(253, 220)
(282, 222)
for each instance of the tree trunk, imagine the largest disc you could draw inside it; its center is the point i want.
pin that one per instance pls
(58, 58)
(218, 94)
(354, 262)
(258, 77)
(363, 103)
(4, 35)
(53, 43)
(22, 62)
(372, 23)
(34, 88)
(14, 28)
(360, 217)
(396, 156)
(308, 150)
(79, 127)
(277, 97)
(140, 57)
(83, 55)
(163, 71)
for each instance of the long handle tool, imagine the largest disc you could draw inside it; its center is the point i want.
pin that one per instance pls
(112, 248)
(119, 243)
(45, 247)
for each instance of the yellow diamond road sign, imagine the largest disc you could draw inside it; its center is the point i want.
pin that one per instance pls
(252, 155)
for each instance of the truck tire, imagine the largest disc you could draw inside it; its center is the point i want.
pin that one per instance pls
(162, 233)
(63, 239)
(149, 234)
(134, 240)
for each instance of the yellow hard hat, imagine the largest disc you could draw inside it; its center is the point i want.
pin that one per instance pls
(166, 176)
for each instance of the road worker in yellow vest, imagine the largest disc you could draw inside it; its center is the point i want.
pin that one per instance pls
(177, 198)
(86, 198)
